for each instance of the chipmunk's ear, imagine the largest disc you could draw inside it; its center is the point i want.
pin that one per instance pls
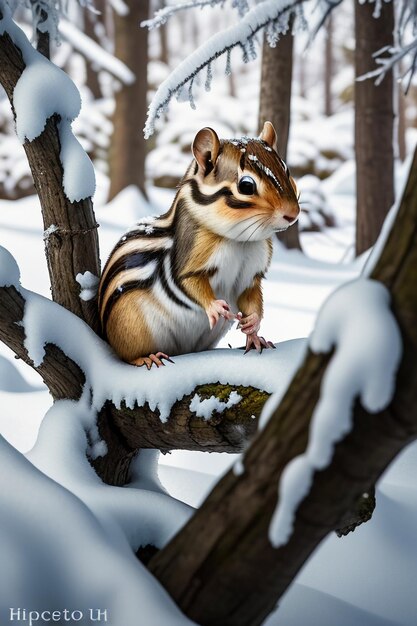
(206, 146)
(268, 134)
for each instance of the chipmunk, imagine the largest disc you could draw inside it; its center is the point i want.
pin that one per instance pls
(172, 283)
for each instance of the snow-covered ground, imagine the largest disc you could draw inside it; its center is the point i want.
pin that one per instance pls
(367, 578)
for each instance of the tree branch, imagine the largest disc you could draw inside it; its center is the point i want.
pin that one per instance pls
(72, 247)
(202, 567)
(128, 430)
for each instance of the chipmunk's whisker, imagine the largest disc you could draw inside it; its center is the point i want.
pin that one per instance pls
(253, 223)
(263, 222)
(251, 217)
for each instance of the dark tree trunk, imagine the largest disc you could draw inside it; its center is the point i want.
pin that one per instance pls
(401, 124)
(128, 147)
(221, 567)
(72, 247)
(328, 67)
(374, 130)
(91, 73)
(163, 42)
(275, 105)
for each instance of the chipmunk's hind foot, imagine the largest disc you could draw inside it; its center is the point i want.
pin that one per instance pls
(255, 342)
(151, 359)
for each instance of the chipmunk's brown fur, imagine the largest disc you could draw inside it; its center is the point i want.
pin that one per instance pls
(174, 283)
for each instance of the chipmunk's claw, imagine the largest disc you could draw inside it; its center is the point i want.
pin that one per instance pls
(148, 361)
(253, 341)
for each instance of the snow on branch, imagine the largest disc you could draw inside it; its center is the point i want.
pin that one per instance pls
(357, 322)
(44, 320)
(387, 58)
(390, 56)
(274, 14)
(162, 15)
(42, 91)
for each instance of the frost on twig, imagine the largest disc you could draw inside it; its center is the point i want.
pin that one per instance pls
(162, 16)
(273, 14)
(402, 52)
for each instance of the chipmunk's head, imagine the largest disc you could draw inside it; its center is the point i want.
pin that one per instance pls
(240, 188)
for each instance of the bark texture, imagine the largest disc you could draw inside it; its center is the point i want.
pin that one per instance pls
(275, 105)
(212, 567)
(128, 146)
(73, 247)
(374, 125)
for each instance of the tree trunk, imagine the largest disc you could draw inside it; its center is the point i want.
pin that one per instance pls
(92, 80)
(221, 567)
(275, 105)
(72, 247)
(374, 119)
(128, 147)
(328, 67)
(401, 124)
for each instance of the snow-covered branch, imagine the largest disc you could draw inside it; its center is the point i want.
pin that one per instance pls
(273, 13)
(403, 54)
(162, 15)
(45, 102)
(388, 58)
(215, 408)
(274, 17)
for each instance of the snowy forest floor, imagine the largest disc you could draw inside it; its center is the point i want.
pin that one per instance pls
(367, 578)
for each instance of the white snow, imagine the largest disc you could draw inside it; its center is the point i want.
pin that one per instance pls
(89, 284)
(241, 34)
(356, 321)
(79, 180)
(239, 468)
(43, 90)
(43, 323)
(50, 231)
(207, 406)
(9, 270)
(45, 564)
(389, 220)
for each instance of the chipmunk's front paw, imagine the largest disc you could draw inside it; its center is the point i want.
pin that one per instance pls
(254, 342)
(217, 309)
(249, 324)
(151, 359)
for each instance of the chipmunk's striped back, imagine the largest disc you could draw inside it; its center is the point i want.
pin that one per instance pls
(135, 263)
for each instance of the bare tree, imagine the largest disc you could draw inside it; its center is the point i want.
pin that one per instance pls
(374, 119)
(275, 104)
(128, 148)
(328, 66)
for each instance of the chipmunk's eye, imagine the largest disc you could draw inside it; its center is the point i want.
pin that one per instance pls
(247, 186)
